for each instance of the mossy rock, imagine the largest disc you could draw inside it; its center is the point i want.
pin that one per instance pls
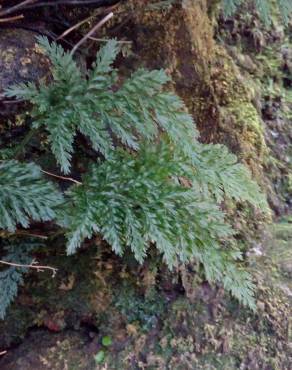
(20, 58)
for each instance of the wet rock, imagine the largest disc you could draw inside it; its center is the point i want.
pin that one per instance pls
(287, 267)
(21, 60)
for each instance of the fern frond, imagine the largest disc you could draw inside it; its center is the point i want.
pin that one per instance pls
(25, 195)
(222, 268)
(71, 103)
(263, 7)
(12, 277)
(285, 7)
(119, 189)
(240, 284)
(133, 202)
(217, 173)
(26, 91)
(137, 198)
(103, 75)
(136, 202)
(64, 68)
(230, 6)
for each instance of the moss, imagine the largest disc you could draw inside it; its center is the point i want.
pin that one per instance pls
(241, 126)
(78, 292)
(248, 119)
(143, 310)
(61, 351)
(265, 53)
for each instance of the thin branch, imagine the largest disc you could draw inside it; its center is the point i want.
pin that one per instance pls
(18, 232)
(14, 101)
(98, 3)
(16, 7)
(77, 25)
(33, 265)
(106, 40)
(28, 4)
(92, 31)
(62, 177)
(26, 233)
(11, 19)
(3, 353)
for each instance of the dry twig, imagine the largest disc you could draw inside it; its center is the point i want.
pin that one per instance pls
(77, 25)
(29, 4)
(24, 233)
(33, 265)
(16, 7)
(92, 31)
(105, 40)
(62, 177)
(11, 19)
(97, 3)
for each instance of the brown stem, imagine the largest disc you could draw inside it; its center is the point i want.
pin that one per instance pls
(25, 233)
(69, 30)
(77, 25)
(92, 31)
(11, 19)
(33, 265)
(12, 9)
(62, 177)
(105, 40)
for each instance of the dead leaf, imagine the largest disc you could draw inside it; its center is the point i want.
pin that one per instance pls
(132, 330)
(69, 285)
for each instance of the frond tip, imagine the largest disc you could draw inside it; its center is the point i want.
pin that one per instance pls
(25, 195)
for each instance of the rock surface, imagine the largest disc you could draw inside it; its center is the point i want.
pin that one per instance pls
(20, 59)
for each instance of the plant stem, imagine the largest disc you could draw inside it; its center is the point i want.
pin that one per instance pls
(91, 32)
(33, 265)
(62, 177)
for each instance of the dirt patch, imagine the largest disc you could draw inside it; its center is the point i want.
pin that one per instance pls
(43, 350)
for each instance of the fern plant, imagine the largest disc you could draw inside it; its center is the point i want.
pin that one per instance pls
(12, 277)
(263, 7)
(151, 182)
(99, 111)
